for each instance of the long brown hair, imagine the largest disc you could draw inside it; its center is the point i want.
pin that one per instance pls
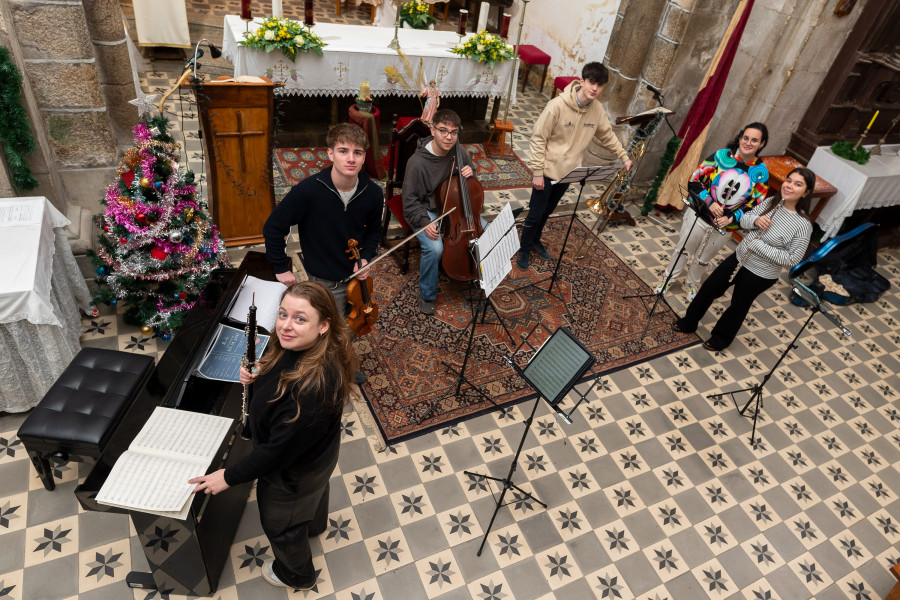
(330, 357)
(805, 200)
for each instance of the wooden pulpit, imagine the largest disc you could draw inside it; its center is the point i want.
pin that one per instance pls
(237, 120)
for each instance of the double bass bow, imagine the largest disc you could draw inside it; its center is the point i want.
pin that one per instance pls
(464, 225)
(363, 310)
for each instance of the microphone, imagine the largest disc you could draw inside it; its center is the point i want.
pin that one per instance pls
(656, 91)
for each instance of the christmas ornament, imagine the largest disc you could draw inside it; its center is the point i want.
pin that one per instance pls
(123, 239)
(144, 103)
(146, 330)
(166, 336)
(158, 253)
(175, 237)
(157, 184)
(188, 215)
(141, 218)
(113, 302)
(101, 270)
(95, 313)
(145, 183)
(182, 295)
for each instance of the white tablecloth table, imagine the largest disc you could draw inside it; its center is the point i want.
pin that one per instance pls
(872, 185)
(41, 290)
(356, 53)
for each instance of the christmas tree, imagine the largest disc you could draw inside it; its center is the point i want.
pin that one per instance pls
(156, 245)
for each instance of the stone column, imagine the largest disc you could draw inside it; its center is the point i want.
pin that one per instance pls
(107, 31)
(629, 50)
(66, 99)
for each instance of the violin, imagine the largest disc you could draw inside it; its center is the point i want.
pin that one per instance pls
(463, 225)
(363, 310)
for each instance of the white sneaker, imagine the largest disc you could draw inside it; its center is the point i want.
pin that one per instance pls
(659, 288)
(691, 292)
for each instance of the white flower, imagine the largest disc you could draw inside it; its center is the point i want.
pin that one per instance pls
(460, 46)
(298, 40)
(509, 47)
(270, 35)
(480, 47)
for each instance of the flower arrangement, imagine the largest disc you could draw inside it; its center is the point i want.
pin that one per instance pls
(484, 47)
(416, 14)
(285, 35)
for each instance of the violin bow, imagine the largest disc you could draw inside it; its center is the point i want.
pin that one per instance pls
(400, 243)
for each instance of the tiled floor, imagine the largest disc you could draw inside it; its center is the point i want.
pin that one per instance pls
(653, 492)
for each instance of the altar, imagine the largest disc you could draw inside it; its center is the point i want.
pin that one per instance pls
(872, 185)
(356, 53)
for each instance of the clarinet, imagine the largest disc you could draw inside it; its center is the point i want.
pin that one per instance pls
(249, 363)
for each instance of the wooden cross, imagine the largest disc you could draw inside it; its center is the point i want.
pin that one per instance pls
(240, 134)
(339, 69)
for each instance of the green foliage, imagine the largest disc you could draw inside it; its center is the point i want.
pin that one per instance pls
(15, 129)
(416, 14)
(845, 150)
(668, 158)
(277, 33)
(484, 47)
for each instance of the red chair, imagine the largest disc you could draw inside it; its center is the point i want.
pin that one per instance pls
(532, 55)
(560, 84)
(403, 145)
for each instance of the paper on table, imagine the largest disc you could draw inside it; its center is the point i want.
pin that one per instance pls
(268, 298)
(172, 447)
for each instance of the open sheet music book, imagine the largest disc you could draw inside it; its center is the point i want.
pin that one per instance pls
(267, 297)
(222, 360)
(172, 447)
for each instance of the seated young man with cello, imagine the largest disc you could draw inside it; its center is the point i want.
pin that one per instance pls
(432, 163)
(330, 208)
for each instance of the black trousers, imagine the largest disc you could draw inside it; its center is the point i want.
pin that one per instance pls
(543, 203)
(291, 513)
(747, 288)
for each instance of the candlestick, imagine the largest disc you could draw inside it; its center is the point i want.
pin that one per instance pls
(364, 90)
(463, 20)
(875, 116)
(504, 25)
(276, 8)
(395, 43)
(246, 13)
(308, 17)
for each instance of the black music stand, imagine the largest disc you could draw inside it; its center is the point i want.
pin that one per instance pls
(701, 212)
(580, 175)
(493, 261)
(756, 390)
(553, 370)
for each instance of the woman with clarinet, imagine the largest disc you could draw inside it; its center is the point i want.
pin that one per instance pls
(303, 383)
(779, 234)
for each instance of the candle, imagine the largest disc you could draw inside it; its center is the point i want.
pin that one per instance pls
(246, 13)
(364, 89)
(504, 25)
(875, 116)
(463, 18)
(308, 18)
(483, 16)
(276, 8)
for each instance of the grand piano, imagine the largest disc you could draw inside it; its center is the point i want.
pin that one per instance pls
(187, 556)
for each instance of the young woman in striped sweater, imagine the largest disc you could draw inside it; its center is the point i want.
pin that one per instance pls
(779, 234)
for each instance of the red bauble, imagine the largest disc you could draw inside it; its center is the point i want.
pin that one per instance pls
(123, 240)
(182, 295)
(106, 228)
(141, 218)
(159, 254)
(128, 178)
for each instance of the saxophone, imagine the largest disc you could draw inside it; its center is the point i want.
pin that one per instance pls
(248, 362)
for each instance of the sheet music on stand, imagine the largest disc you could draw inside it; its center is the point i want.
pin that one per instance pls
(595, 173)
(494, 250)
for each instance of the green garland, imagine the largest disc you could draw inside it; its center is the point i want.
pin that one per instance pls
(15, 129)
(664, 163)
(845, 150)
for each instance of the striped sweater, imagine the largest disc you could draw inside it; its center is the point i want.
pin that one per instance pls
(783, 244)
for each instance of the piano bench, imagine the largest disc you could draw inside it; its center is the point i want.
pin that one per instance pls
(77, 416)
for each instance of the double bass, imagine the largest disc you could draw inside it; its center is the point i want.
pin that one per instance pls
(463, 225)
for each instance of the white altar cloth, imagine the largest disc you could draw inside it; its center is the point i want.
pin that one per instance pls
(41, 290)
(162, 23)
(356, 53)
(872, 185)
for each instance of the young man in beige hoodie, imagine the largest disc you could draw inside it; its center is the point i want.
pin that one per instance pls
(561, 135)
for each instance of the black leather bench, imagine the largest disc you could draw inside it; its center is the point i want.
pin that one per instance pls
(77, 416)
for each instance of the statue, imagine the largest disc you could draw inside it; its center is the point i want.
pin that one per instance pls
(432, 100)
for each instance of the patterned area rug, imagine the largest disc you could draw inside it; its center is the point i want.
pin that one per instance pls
(404, 357)
(494, 173)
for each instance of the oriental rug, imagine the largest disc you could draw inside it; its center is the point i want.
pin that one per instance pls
(494, 173)
(406, 357)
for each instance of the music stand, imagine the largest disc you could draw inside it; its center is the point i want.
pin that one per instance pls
(492, 253)
(756, 390)
(553, 370)
(579, 175)
(701, 212)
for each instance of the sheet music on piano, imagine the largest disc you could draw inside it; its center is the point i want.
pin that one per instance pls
(267, 298)
(172, 447)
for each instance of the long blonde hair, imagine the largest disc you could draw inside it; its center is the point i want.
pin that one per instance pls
(331, 354)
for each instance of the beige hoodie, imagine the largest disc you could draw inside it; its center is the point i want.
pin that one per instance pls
(563, 132)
